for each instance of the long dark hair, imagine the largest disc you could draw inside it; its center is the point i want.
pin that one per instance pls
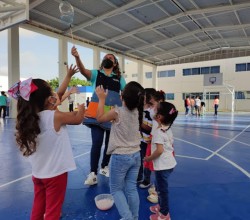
(133, 96)
(27, 124)
(116, 69)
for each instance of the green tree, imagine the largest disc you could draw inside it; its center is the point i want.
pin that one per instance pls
(54, 83)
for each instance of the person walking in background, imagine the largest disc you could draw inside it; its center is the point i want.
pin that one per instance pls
(163, 157)
(192, 105)
(216, 105)
(197, 106)
(124, 146)
(7, 106)
(87, 102)
(45, 141)
(69, 95)
(71, 103)
(187, 105)
(3, 104)
(109, 76)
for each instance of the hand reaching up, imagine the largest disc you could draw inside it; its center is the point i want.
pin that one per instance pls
(72, 70)
(74, 52)
(101, 92)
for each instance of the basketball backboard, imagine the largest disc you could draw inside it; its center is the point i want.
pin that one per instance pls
(13, 12)
(215, 79)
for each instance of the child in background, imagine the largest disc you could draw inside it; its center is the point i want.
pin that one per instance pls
(124, 147)
(163, 157)
(157, 97)
(45, 141)
(144, 173)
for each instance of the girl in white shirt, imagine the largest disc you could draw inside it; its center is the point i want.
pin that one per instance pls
(163, 157)
(42, 137)
(124, 147)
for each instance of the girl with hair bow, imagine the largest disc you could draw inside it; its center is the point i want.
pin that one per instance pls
(42, 136)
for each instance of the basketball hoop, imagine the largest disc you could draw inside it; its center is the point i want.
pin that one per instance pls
(212, 80)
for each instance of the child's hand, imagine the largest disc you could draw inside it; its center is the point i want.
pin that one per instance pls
(72, 70)
(147, 158)
(74, 52)
(101, 92)
(74, 89)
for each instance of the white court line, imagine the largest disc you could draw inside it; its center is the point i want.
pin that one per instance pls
(196, 158)
(234, 164)
(231, 140)
(189, 129)
(24, 177)
(199, 146)
(16, 180)
(222, 157)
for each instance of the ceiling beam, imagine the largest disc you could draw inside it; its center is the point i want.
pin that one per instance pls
(191, 33)
(109, 14)
(191, 12)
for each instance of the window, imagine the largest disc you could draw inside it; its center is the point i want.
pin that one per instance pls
(148, 75)
(248, 66)
(171, 73)
(205, 70)
(166, 73)
(241, 67)
(242, 95)
(196, 71)
(239, 95)
(186, 72)
(215, 69)
(169, 96)
(184, 95)
(162, 74)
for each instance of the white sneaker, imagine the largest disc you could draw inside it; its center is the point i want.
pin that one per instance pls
(153, 198)
(104, 171)
(91, 180)
(152, 190)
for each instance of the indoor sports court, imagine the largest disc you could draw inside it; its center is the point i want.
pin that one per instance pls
(210, 181)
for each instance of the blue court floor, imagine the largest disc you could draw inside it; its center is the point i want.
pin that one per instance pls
(210, 182)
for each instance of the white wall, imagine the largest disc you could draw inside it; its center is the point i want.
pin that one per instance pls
(188, 84)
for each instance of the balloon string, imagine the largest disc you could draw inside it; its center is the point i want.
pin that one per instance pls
(71, 34)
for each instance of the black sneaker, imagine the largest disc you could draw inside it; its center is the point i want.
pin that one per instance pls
(144, 184)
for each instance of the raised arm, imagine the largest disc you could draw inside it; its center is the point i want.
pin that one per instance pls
(85, 72)
(70, 72)
(101, 115)
(72, 90)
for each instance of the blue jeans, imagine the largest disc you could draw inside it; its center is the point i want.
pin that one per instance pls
(161, 182)
(123, 185)
(97, 134)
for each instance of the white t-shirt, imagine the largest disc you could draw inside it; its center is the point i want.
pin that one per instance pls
(54, 153)
(166, 159)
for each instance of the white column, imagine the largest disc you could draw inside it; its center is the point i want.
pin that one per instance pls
(97, 55)
(140, 72)
(13, 64)
(63, 58)
(154, 78)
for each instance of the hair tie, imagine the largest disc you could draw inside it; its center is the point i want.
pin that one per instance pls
(23, 89)
(172, 111)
